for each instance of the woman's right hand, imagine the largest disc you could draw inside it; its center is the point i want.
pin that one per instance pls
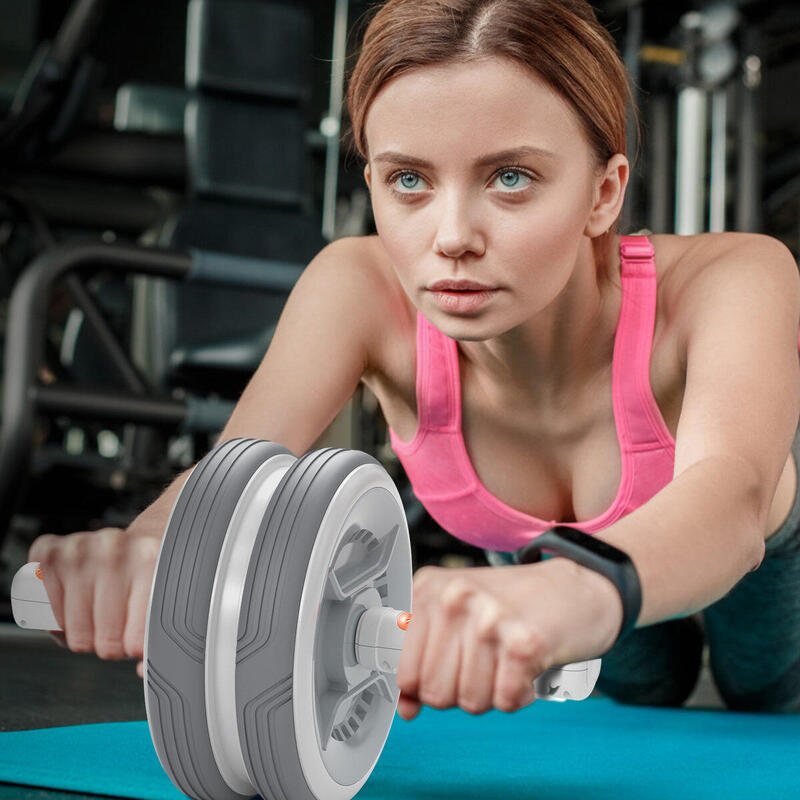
(98, 584)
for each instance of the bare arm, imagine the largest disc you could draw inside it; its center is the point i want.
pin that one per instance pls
(314, 363)
(693, 540)
(153, 520)
(701, 533)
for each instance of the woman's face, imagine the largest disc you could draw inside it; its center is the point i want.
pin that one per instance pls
(514, 222)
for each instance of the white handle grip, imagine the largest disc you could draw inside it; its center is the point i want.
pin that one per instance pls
(570, 682)
(29, 602)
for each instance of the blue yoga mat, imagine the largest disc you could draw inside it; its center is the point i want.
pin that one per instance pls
(596, 748)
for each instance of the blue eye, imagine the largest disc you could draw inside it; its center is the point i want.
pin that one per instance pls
(509, 177)
(514, 176)
(407, 180)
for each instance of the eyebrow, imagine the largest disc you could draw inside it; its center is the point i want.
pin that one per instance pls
(512, 154)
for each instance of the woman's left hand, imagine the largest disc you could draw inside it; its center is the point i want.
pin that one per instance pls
(479, 636)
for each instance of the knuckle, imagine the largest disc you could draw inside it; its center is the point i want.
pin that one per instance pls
(75, 548)
(423, 577)
(144, 559)
(134, 647)
(456, 596)
(435, 698)
(43, 548)
(474, 705)
(407, 682)
(517, 696)
(133, 638)
(109, 648)
(110, 547)
(487, 626)
(505, 703)
(80, 643)
(527, 695)
(406, 687)
(523, 645)
(145, 549)
(510, 697)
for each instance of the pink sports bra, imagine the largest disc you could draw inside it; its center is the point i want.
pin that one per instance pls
(436, 459)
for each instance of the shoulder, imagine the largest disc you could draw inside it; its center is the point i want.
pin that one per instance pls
(708, 258)
(705, 264)
(374, 293)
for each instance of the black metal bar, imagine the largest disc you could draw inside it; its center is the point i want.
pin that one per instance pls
(25, 343)
(73, 202)
(748, 185)
(124, 157)
(225, 269)
(108, 406)
(77, 30)
(106, 337)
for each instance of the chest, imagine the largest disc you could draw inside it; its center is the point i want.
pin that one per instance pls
(564, 463)
(552, 463)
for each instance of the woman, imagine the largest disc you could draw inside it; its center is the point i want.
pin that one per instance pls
(578, 376)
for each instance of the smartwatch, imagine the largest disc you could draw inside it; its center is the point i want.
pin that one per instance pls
(595, 554)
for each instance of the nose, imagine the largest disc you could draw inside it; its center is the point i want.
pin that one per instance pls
(456, 234)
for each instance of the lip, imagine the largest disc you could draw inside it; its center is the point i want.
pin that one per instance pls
(459, 286)
(461, 302)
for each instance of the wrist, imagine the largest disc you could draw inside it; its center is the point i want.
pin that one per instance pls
(596, 593)
(143, 530)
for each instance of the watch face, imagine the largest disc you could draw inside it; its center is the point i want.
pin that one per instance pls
(589, 542)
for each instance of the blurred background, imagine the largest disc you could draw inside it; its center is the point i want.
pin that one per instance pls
(167, 168)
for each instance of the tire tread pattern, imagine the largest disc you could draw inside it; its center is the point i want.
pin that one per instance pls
(267, 625)
(178, 618)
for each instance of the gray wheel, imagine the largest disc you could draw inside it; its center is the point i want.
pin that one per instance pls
(176, 627)
(333, 542)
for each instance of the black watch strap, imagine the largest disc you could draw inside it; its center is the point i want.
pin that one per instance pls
(595, 554)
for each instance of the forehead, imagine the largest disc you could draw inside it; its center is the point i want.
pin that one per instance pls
(478, 105)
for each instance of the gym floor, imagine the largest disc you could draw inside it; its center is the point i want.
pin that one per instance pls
(44, 685)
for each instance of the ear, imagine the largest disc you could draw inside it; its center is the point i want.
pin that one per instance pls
(609, 194)
(367, 176)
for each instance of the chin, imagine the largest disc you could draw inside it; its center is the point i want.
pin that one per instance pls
(464, 328)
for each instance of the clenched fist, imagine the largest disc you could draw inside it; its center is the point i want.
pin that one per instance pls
(98, 584)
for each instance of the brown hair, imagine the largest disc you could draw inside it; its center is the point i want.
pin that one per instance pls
(560, 40)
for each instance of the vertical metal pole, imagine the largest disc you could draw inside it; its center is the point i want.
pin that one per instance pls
(690, 175)
(330, 126)
(748, 195)
(719, 130)
(659, 184)
(691, 169)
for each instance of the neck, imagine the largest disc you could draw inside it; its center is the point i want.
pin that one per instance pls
(552, 356)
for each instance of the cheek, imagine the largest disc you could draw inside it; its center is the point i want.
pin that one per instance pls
(541, 234)
(564, 206)
(403, 245)
(396, 220)
(549, 232)
(538, 247)
(404, 236)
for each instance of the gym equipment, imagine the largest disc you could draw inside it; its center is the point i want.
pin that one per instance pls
(275, 624)
(711, 60)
